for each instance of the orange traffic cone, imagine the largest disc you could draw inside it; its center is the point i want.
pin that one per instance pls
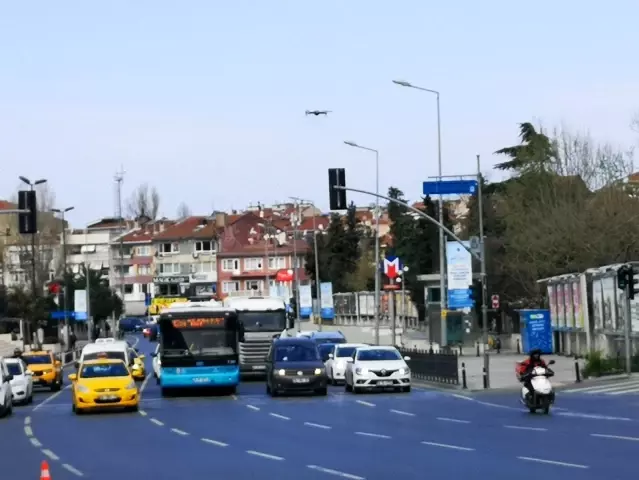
(44, 471)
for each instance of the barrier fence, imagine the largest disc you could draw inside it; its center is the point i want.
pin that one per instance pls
(433, 367)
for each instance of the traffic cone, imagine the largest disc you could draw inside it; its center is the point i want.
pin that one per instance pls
(44, 471)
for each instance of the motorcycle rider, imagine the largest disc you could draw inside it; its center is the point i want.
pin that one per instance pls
(527, 366)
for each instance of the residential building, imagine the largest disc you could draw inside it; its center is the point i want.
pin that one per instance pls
(185, 256)
(250, 257)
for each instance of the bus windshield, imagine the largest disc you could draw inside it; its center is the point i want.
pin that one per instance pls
(197, 341)
(274, 321)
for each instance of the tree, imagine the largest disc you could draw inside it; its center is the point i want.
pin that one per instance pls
(105, 302)
(21, 304)
(144, 202)
(183, 210)
(535, 153)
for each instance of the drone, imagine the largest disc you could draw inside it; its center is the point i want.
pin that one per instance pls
(317, 112)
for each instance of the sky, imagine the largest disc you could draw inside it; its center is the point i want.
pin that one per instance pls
(205, 99)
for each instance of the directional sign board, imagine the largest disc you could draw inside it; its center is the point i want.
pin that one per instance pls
(392, 267)
(450, 187)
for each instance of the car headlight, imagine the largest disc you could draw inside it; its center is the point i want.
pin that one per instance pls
(361, 371)
(281, 372)
(45, 372)
(319, 371)
(82, 389)
(130, 386)
(404, 371)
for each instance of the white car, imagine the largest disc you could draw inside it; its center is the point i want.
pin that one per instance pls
(157, 365)
(6, 396)
(338, 359)
(377, 367)
(22, 381)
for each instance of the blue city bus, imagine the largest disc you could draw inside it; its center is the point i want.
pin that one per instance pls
(199, 347)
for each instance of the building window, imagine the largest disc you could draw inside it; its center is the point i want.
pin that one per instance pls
(144, 269)
(252, 264)
(128, 288)
(167, 289)
(275, 263)
(143, 251)
(253, 284)
(228, 287)
(204, 246)
(169, 268)
(122, 269)
(204, 267)
(168, 248)
(230, 264)
(299, 262)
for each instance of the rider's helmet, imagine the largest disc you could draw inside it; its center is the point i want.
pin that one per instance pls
(535, 355)
(17, 353)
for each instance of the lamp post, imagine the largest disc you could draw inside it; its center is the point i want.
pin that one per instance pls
(377, 279)
(62, 213)
(442, 246)
(34, 292)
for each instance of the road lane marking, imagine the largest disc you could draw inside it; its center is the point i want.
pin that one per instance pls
(593, 416)
(335, 472)
(234, 397)
(615, 437)
(157, 422)
(362, 402)
(50, 397)
(453, 420)
(142, 412)
(452, 447)
(534, 429)
(28, 431)
(374, 435)
(401, 412)
(463, 397)
(72, 469)
(50, 454)
(317, 425)
(281, 417)
(27, 420)
(179, 432)
(554, 462)
(253, 407)
(35, 442)
(214, 442)
(146, 380)
(264, 455)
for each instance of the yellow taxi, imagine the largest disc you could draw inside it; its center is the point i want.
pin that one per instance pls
(138, 370)
(104, 384)
(47, 371)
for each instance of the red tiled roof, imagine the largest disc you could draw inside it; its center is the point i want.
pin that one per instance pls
(237, 233)
(258, 248)
(321, 223)
(189, 228)
(4, 205)
(146, 233)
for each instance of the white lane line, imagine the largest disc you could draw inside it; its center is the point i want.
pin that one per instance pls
(615, 437)
(214, 442)
(146, 380)
(264, 455)
(234, 397)
(362, 402)
(253, 407)
(452, 447)
(463, 397)
(28, 431)
(401, 412)
(50, 454)
(27, 420)
(593, 416)
(554, 462)
(72, 469)
(374, 435)
(35, 442)
(335, 472)
(534, 429)
(317, 425)
(452, 420)
(50, 397)
(179, 432)
(281, 417)
(142, 412)
(157, 422)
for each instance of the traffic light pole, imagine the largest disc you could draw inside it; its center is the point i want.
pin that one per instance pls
(628, 325)
(484, 287)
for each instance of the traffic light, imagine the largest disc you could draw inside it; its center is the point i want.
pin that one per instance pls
(626, 280)
(476, 294)
(337, 198)
(632, 283)
(27, 222)
(622, 278)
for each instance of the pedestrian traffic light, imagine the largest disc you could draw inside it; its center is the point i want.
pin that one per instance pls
(27, 222)
(337, 197)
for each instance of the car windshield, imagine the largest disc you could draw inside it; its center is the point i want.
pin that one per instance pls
(274, 321)
(37, 359)
(325, 349)
(104, 370)
(333, 341)
(112, 355)
(14, 368)
(296, 353)
(378, 355)
(201, 341)
(346, 351)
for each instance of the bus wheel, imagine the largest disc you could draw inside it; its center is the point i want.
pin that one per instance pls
(166, 392)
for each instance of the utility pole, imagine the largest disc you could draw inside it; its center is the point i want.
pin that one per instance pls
(119, 178)
(296, 280)
(62, 213)
(484, 288)
(87, 285)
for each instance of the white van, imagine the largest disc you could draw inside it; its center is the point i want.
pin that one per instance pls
(106, 347)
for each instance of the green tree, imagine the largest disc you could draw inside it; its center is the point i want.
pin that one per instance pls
(535, 153)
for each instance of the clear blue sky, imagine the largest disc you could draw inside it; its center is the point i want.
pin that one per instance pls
(205, 99)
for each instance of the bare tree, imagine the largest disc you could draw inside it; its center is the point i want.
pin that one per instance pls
(144, 202)
(183, 211)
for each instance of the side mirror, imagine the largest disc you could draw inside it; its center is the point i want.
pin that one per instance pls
(349, 359)
(406, 359)
(29, 373)
(153, 354)
(73, 377)
(552, 362)
(330, 355)
(9, 377)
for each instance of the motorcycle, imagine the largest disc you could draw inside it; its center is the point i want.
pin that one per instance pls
(543, 394)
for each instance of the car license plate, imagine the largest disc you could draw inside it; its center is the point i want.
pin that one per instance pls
(384, 383)
(108, 397)
(201, 380)
(301, 380)
(259, 367)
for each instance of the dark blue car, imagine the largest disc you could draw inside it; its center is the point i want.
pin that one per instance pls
(131, 325)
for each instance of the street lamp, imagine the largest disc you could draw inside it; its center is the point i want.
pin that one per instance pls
(62, 212)
(442, 248)
(377, 279)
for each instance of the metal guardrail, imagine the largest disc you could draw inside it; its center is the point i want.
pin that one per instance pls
(433, 367)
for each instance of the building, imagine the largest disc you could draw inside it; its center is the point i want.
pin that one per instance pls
(186, 256)
(251, 254)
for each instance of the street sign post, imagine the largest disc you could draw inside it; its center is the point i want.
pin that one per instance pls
(392, 266)
(494, 300)
(450, 187)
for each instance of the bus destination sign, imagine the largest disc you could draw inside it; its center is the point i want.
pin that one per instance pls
(188, 323)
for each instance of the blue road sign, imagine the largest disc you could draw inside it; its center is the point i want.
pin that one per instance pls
(458, 299)
(59, 315)
(450, 187)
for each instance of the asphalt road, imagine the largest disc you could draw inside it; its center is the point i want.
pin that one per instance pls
(370, 436)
